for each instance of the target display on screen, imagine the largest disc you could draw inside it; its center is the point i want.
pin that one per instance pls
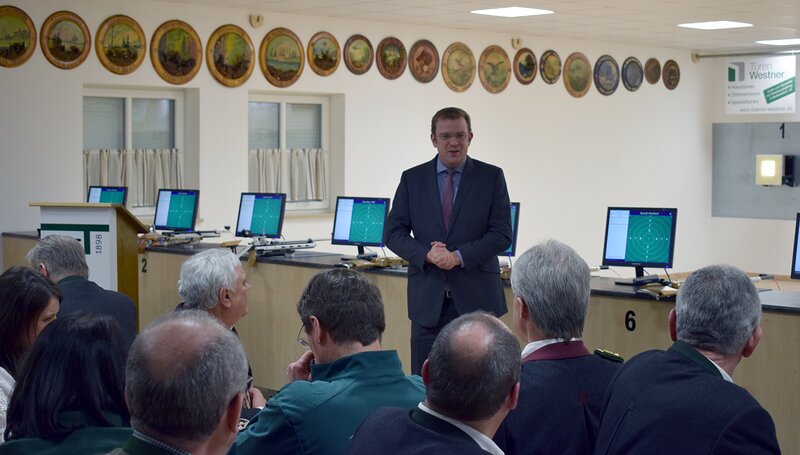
(359, 221)
(176, 210)
(640, 237)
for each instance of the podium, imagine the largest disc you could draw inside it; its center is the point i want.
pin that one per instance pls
(108, 233)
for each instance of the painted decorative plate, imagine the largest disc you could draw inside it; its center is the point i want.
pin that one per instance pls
(632, 74)
(323, 53)
(19, 37)
(281, 57)
(120, 44)
(550, 66)
(230, 55)
(458, 67)
(176, 52)
(577, 74)
(391, 57)
(671, 74)
(525, 66)
(652, 70)
(423, 61)
(65, 40)
(358, 54)
(606, 75)
(494, 69)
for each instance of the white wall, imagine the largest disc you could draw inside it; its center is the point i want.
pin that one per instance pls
(565, 159)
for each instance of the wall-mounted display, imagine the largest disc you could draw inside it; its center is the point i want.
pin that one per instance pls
(358, 54)
(65, 40)
(176, 52)
(281, 57)
(525, 66)
(671, 74)
(652, 70)
(230, 55)
(423, 61)
(494, 69)
(458, 67)
(17, 37)
(606, 75)
(120, 44)
(632, 74)
(577, 74)
(391, 57)
(550, 66)
(323, 53)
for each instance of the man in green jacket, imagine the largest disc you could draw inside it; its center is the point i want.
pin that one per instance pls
(343, 377)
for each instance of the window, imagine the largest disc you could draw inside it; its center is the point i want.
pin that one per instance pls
(133, 138)
(289, 150)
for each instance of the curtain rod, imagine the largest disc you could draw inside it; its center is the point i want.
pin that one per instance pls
(696, 57)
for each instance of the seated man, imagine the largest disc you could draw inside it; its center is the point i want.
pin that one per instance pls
(683, 400)
(214, 281)
(563, 384)
(185, 382)
(343, 377)
(61, 259)
(472, 379)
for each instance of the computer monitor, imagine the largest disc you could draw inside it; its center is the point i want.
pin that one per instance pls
(108, 194)
(512, 249)
(261, 215)
(795, 258)
(639, 237)
(176, 210)
(359, 221)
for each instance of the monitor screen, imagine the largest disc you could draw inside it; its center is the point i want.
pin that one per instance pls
(795, 258)
(108, 194)
(261, 215)
(512, 250)
(640, 237)
(176, 210)
(359, 221)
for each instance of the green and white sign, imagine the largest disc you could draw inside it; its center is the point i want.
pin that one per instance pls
(764, 85)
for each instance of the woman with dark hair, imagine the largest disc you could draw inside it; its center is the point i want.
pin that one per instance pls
(28, 302)
(70, 394)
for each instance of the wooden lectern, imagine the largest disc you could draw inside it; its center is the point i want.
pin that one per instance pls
(108, 235)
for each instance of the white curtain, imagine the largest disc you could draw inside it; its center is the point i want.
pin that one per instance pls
(300, 173)
(143, 171)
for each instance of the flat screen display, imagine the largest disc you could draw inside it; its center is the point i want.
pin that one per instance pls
(359, 221)
(640, 237)
(261, 215)
(108, 194)
(176, 210)
(795, 258)
(512, 250)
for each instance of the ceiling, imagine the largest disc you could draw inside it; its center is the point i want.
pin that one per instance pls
(643, 22)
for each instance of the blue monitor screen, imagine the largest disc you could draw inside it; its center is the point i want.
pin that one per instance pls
(512, 250)
(107, 194)
(176, 210)
(640, 237)
(795, 258)
(359, 221)
(261, 215)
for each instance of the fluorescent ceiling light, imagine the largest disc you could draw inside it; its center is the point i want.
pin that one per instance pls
(512, 11)
(781, 42)
(715, 25)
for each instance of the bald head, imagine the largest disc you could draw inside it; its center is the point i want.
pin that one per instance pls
(182, 372)
(473, 366)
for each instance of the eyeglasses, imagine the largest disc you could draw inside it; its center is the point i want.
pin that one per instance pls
(460, 137)
(300, 340)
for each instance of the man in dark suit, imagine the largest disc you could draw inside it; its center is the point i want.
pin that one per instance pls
(563, 384)
(61, 259)
(458, 210)
(472, 381)
(683, 400)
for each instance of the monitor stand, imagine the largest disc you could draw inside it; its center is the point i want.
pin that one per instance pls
(639, 280)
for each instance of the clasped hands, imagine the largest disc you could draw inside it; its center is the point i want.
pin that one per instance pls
(439, 256)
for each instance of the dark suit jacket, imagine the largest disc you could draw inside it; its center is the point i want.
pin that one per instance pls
(676, 402)
(561, 393)
(83, 295)
(410, 432)
(480, 229)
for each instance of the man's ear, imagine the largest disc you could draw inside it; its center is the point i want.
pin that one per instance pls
(521, 308)
(433, 139)
(426, 374)
(318, 331)
(223, 296)
(513, 397)
(752, 342)
(672, 320)
(42, 269)
(233, 412)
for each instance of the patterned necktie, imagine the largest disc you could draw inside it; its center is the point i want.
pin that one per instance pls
(447, 199)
